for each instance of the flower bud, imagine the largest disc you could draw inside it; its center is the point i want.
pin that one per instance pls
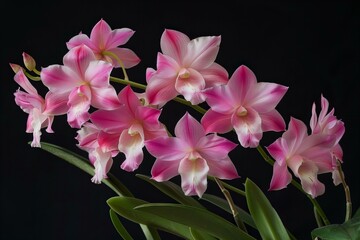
(15, 67)
(29, 61)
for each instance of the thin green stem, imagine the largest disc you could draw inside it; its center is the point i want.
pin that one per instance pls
(315, 203)
(36, 71)
(348, 213)
(232, 206)
(113, 55)
(34, 78)
(230, 187)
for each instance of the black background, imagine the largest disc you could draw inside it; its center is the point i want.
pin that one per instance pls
(311, 47)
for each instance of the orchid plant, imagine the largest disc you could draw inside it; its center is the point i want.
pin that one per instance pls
(125, 126)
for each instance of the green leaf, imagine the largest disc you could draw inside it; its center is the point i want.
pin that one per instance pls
(223, 204)
(124, 206)
(84, 165)
(350, 230)
(119, 227)
(198, 235)
(196, 218)
(172, 190)
(265, 217)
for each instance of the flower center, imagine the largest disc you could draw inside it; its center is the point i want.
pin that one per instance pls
(241, 111)
(184, 73)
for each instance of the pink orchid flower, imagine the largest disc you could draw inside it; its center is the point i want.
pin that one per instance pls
(129, 126)
(245, 105)
(192, 155)
(41, 111)
(184, 67)
(86, 82)
(103, 39)
(306, 155)
(328, 124)
(90, 139)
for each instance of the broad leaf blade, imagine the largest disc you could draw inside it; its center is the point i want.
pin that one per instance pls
(265, 217)
(199, 235)
(196, 218)
(172, 190)
(124, 206)
(84, 165)
(119, 226)
(223, 204)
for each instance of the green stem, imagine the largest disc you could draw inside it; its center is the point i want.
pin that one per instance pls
(36, 71)
(232, 206)
(113, 55)
(347, 193)
(230, 187)
(315, 203)
(34, 78)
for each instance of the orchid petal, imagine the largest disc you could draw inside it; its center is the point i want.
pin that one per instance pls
(189, 130)
(127, 56)
(24, 82)
(272, 121)
(102, 165)
(108, 142)
(213, 147)
(79, 103)
(248, 128)
(166, 148)
(193, 176)
(163, 170)
(56, 104)
(100, 34)
(241, 83)
(167, 67)
(27, 101)
(190, 86)
(214, 75)
(281, 177)
(173, 43)
(59, 78)
(295, 135)
(79, 40)
(309, 181)
(78, 59)
(129, 99)
(201, 52)
(223, 168)
(87, 137)
(97, 73)
(111, 121)
(104, 98)
(278, 151)
(219, 98)
(216, 122)
(265, 96)
(131, 142)
(160, 90)
(118, 37)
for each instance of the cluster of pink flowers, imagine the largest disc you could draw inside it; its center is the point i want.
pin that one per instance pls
(110, 123)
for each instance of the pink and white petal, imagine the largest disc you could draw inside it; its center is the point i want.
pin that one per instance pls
(79, 40)
(27, 101)
(315, 128)
(87, 137)
(149, 116)
(335, 174)
(281, 177)
(128, 97)
(160, 90)
(167, 67)
(108, 142)
(131, 142)
(248, 128)
(104, 98)
(213, 147)
(111, 121)
(272, 121)
(265, 96)
(189, 130)
(78, 59)
(220, 99)
(103, 162)
(166, 148)
(127, 56)
(48, 124)
(35, 120)
(79, 105)
(97, 73)
(56, 104)
(149, 73)
(174, 44)
(193, 176)
(163, 170)
(214, 75)
(24, 82)
(100, 34)
(216, 122)
(295, 134)
(241, 83)
(278, 151)
(201, 52)
(118, 37)
(222, 168)
(59, 78)
(324, 108)
(309, 181)
(190, 86)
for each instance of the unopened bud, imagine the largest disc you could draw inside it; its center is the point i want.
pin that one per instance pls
(15, 67)
(29, 61)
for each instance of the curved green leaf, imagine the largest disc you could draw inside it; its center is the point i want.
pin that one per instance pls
(82, 163)
(196, 218)
(172, 190)
(199, 235)
(349, 230)
(124, 206)
(119, 227)
(265, 217)
(223, 204)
